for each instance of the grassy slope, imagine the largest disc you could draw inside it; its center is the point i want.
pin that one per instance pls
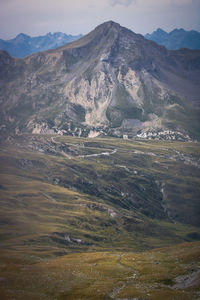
(46, 197)
(102, 275)
(51, 192)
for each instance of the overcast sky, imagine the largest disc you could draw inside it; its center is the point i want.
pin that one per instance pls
(37, 17)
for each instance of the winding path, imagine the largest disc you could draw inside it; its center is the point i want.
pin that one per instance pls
(99, 154)
(129, 280)
(87, 155)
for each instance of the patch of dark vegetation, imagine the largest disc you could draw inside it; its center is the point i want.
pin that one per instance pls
(5, 236)
(194, 236)
(95, 238)
(2, 187)
(28, 164)
(167, 281)
(60, 253)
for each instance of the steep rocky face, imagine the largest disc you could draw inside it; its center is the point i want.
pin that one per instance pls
(111, 81)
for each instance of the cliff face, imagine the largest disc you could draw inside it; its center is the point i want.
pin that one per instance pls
(112, 81)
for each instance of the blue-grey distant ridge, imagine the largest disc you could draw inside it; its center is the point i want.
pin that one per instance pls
(176, 39)
(23, 45)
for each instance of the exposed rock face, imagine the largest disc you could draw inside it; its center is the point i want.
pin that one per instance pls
(112, 81)
(93, 96)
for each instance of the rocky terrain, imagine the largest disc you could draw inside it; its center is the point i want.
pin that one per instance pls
(110, 82)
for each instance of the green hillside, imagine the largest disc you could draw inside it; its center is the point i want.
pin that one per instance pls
(77, 214)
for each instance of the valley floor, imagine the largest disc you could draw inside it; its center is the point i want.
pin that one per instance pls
(99, 218)
(164, 273)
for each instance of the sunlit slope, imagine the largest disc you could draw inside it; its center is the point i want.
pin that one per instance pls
(62, 194)
(168, 273)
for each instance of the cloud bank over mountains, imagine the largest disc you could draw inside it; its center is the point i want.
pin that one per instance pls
(76, 16)
(122, 2)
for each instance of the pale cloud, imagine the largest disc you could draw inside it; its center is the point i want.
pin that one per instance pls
(121, 2)
(166, 3)
(37, 17)
(181, 2)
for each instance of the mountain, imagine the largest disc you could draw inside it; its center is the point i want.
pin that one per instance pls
(176, 39)
(23, 45)
(80, 217)
(110, 82)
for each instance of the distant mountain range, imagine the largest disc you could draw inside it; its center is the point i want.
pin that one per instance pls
(176, 39)
(23, 45)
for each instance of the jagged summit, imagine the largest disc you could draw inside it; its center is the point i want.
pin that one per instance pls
(108, 25)
(112, 43)
(114, 27)
(22, 36)
(160, 30)
(106, 31)
(101, 32)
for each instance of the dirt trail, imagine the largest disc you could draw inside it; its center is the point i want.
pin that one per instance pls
(121, 284)
(99, 154)
(108, 153)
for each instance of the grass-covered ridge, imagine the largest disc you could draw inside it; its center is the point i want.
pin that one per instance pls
(73, 194)
(104, 199)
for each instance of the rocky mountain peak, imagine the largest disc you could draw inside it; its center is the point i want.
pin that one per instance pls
(113, 27)
(111, 82)
(178, 30)
(160, 30)
(108, 42)
(22, 36)
(108, 25)
(108, 32)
